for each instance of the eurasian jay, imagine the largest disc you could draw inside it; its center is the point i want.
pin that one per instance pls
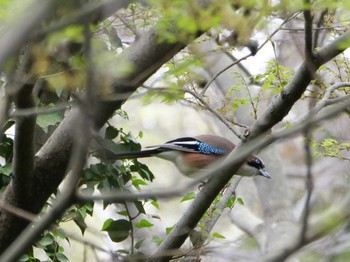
(191, 154)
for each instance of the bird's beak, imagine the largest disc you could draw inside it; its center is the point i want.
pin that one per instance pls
(263, 172)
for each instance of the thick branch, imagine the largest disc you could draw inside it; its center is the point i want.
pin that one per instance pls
(274, 114)
(308, 33)
(23, 165)
(23, 154)
(210, 221)
(291, 93)
(64, 200)
(146, 55)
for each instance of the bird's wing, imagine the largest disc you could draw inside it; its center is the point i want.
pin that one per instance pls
(175, 147)
(184, 144)
(191, 145)
(137, 154)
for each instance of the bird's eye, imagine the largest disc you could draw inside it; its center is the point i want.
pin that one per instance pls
(256, 162)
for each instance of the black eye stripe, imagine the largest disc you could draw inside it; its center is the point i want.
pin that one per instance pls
(257, 163)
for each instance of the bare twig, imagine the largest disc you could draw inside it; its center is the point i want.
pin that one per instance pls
(249, 148)
(320, 24)
(247, 56)
(17, 211)
(77, 163)
(325, 101)
(203, 102)
(309, 186)
(216, 210)
(64, 200)
(279, 106)
(242, 68)
(214, 112)
(21, 112)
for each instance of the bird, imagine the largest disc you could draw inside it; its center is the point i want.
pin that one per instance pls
(192, 154)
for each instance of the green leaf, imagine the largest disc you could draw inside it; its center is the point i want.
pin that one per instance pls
(98, 168)
(139, 206)
(121, 147)
(80, 222)
(138, 182)
(189, 196)
(6, 169)
(157, 239)
(123, 213)
(89, 207)
(111, 132)
(46, 120)
(61, 257)
(46, 240)
(24, 258)
(139, 243)
(155, 204)
(6, 146)
(142, 170)
(231, 202)
(168, 230)
(217, 235)
(240, 201)
(118, 230)
(143, 223)
(217, 211)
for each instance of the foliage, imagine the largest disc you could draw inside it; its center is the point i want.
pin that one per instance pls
(330, 147)
(67, 56)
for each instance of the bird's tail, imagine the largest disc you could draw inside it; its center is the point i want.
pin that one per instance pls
(137, 154)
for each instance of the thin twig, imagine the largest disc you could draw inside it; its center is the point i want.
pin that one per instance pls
(247, 56)
(320, 23)
(23, 242)
(248, 148)
(18, 211)
(325, 101)
(18, 112)
(309, 186)
(215, 211)
(203, 102)
(214, 112)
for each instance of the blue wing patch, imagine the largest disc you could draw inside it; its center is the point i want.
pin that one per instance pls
(189, 144)
(206, 149)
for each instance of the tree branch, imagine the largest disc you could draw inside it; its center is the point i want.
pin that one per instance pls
(308, 32)
(77, 163)
(274, 114)
(309, 186)
(51, 162)
(281, 105)
(23, 153)
(325, 101)
(64, 200)
(216, 210)
(17, 32)
(238, 61)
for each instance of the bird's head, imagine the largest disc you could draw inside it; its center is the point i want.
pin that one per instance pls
(253, 166)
